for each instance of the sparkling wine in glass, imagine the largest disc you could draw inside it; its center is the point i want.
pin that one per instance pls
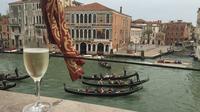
(36, 60)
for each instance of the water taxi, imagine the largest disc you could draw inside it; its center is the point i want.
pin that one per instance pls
(173, 63)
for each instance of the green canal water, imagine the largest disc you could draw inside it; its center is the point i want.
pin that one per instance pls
(169, 90)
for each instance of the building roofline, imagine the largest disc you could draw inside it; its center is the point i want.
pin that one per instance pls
(104, 8)
(22, 1)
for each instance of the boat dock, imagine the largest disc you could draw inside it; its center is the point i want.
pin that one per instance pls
(14, 102)
(148, 54)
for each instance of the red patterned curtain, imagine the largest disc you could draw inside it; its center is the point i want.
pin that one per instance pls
(58, 33)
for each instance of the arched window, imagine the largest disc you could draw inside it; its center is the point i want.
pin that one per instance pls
(72, 18)
(89, 47)
(77, 18)
(37, 20)
(85, 34)
(77, 33)
(85, 16)
(93, 47)
(72, 33)
(90, 18)
(94, 18)
(81, 33)
(81, 18)
(89, 34)
(107, 48)
(94, 34)
(107, 18)
(40, 20)
(107, 34)
(77, 47)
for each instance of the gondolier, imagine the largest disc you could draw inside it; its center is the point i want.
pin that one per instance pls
(16, 72)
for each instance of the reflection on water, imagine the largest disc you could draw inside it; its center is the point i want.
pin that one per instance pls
(169, 90)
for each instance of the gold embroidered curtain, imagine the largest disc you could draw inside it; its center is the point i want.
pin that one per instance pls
(58, 33)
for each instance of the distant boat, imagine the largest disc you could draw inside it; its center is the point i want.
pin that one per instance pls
(106, 93)
(10, 50)
(107, 77)
(173, 63)
(13, 77)
(98, 57)
(94, 57)
(104, 64)
(115, 84)
(7, 85)
(87, 56)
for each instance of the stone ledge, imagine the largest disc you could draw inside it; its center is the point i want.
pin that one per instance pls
(14, 102)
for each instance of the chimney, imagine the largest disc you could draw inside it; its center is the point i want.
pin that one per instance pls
(121, 9)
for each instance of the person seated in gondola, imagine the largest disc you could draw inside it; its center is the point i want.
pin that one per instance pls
(7, 75)
(117, 82)
(107, 75)
(96, 90)
(131, 81)
(95, 76)
(106, 64)
(179, 62)
(16, 72)
(112, 75)
(100, 82)
(110, 81)
(110, 90)
(100, 90)
(160, 61)
(87, 90)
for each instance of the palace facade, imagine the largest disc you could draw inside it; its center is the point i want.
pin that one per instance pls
(4, 33)
(27, 13)
(97, 29)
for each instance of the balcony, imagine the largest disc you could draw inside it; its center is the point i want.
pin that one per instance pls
(15, 25)
(40, 25)
(101, 40)
(89, 25)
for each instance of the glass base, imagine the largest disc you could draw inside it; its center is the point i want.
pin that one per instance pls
(40, 107)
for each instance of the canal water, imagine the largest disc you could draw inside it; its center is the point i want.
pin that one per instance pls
(169, 90)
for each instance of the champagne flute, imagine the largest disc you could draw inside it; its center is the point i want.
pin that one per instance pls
(36, 60)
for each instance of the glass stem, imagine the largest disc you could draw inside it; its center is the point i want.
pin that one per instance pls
(37, 92)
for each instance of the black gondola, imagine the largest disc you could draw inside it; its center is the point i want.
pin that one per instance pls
(115, 84)
(13, 77)
(121, 92)
(104, 64)
(7, 85)
(107, 77)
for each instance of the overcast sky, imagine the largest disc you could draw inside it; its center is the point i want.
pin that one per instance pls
(165, 10)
